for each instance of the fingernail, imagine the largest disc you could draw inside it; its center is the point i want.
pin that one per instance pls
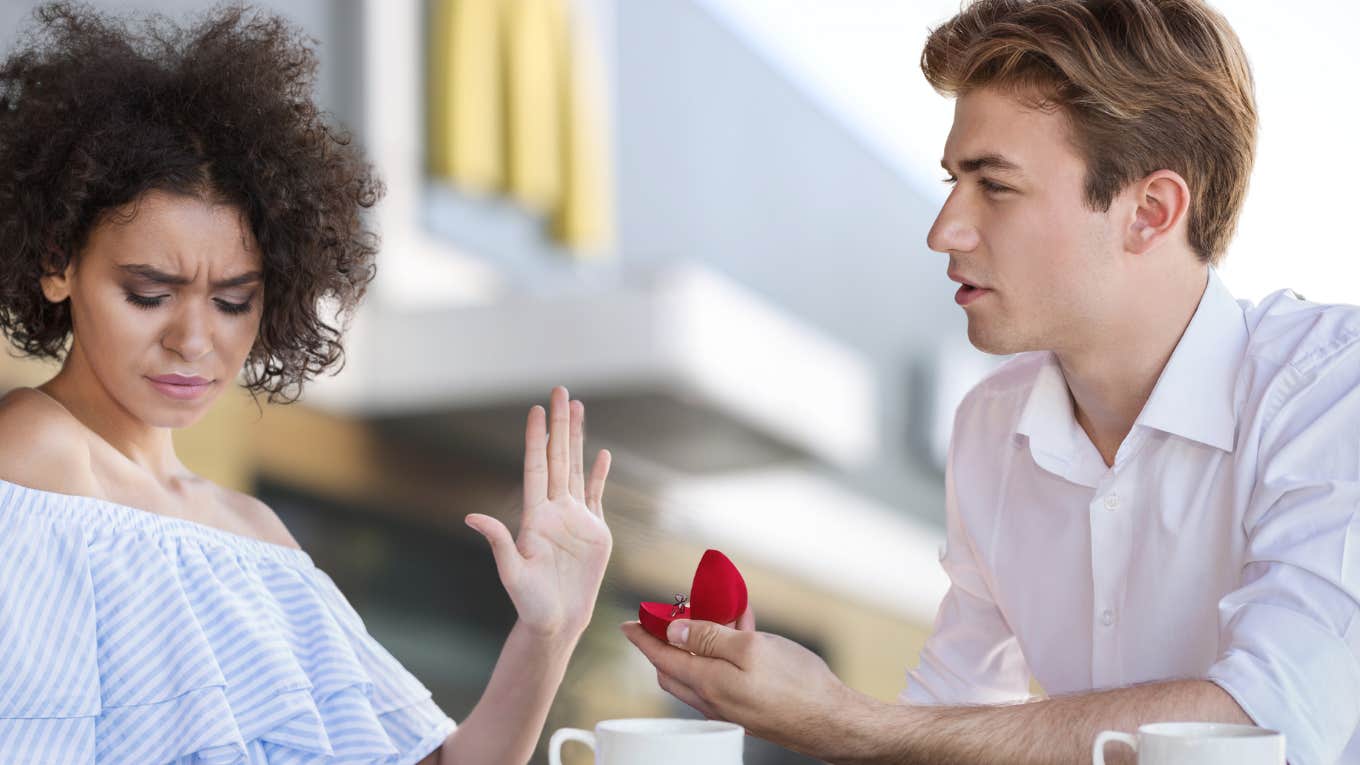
(678, 634)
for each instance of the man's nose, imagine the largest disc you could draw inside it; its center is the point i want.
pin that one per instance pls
(953, 230)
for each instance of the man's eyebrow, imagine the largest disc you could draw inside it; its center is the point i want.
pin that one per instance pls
(157, 275)
(985, 162)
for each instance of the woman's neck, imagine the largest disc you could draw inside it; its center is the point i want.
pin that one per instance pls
(148, 447)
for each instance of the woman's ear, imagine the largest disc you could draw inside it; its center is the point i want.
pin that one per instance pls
(56, 282)
(1162, 202)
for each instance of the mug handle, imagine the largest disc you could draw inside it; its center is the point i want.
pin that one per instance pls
(1098, 751)
(564, 735)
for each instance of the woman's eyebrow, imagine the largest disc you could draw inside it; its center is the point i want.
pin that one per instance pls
(156, 275)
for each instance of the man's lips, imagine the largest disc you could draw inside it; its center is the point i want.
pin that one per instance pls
(969, 291)
(967, 294)
(957, 277)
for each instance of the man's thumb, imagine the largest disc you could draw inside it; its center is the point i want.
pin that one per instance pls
(701, 638)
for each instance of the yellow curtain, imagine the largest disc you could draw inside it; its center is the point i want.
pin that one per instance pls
(464, 100)
(583, 218)
(535, 33)
(513, 110)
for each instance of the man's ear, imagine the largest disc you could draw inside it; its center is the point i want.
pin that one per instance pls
(1161, 204)
(56, 282)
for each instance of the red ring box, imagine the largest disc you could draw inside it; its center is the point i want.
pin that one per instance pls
(717, 595)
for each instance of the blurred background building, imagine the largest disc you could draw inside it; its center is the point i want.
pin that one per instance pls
(707, 218)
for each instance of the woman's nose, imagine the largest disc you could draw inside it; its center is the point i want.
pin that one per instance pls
(190, 334)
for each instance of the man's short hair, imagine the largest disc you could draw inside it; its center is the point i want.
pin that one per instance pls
(1145, 85)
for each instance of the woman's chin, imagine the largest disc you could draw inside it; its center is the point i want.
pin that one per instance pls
(168, 412)
(176, 420)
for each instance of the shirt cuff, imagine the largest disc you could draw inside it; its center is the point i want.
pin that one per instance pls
(1290, 674)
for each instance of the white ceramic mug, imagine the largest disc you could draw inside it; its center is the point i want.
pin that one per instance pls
(655, 741)
(1188, 743)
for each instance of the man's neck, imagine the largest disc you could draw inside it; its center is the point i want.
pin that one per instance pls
(1111, 378)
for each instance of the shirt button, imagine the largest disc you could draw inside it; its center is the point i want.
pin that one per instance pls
(1112, 502)
(1107, 617)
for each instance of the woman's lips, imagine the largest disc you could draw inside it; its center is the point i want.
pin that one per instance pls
(968, 293)
(180, 391)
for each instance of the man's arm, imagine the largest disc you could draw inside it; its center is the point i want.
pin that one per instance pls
(972, 656)
(782, 692)
(1057, 730)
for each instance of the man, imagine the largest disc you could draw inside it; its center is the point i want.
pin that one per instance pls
(1154, 508)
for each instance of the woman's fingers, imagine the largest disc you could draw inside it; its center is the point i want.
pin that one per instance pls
(535, 458)
(559, 443)
(502, 544)
(554, 455)
(595, 489)
(577, 483)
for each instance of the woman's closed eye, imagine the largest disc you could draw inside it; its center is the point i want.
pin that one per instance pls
(149, 302)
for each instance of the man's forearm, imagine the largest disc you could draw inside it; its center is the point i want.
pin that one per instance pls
(1056, 730)
(508, 719)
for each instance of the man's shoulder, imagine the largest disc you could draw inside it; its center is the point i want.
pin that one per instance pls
(1010, 381)
(992, 408)
(1288, 332)
(41, 445)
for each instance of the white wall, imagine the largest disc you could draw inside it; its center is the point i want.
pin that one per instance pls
(860, 58)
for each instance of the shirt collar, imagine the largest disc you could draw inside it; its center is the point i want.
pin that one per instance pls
(1048, 419)
(1193, 397)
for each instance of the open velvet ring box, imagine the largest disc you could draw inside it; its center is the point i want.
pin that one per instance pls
(717, 595)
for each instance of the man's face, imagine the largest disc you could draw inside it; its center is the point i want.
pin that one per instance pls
(176, 290)
(1017, 225)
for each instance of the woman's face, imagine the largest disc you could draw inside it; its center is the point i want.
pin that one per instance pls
(165, 306)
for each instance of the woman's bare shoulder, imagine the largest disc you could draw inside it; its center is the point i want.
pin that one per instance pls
(259, 518)
(41, 445)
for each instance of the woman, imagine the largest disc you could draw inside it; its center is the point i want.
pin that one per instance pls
(173, 210)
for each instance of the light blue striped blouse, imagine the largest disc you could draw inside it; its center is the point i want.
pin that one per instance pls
(132, 637)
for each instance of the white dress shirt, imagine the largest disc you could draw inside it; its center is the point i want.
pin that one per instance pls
(1224, 543)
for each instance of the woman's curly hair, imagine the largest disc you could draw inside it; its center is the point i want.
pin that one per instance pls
(95, 113)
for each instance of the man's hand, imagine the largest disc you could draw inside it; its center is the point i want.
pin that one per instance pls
(773, 687)
(783, 693)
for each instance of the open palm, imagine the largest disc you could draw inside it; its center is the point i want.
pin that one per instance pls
(553, 570)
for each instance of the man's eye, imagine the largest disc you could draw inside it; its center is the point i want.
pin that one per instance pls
(983, 182)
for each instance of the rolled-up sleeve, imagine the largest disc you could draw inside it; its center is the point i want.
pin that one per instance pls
(1290, 634)
(972, 656)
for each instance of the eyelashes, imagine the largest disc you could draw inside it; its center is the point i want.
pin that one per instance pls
(983, 182)
(225, 306)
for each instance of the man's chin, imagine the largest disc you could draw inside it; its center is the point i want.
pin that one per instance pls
(989, 340)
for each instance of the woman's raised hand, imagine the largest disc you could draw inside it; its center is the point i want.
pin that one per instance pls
(553, 570)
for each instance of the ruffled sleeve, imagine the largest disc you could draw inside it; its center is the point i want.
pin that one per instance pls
(127, 636)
